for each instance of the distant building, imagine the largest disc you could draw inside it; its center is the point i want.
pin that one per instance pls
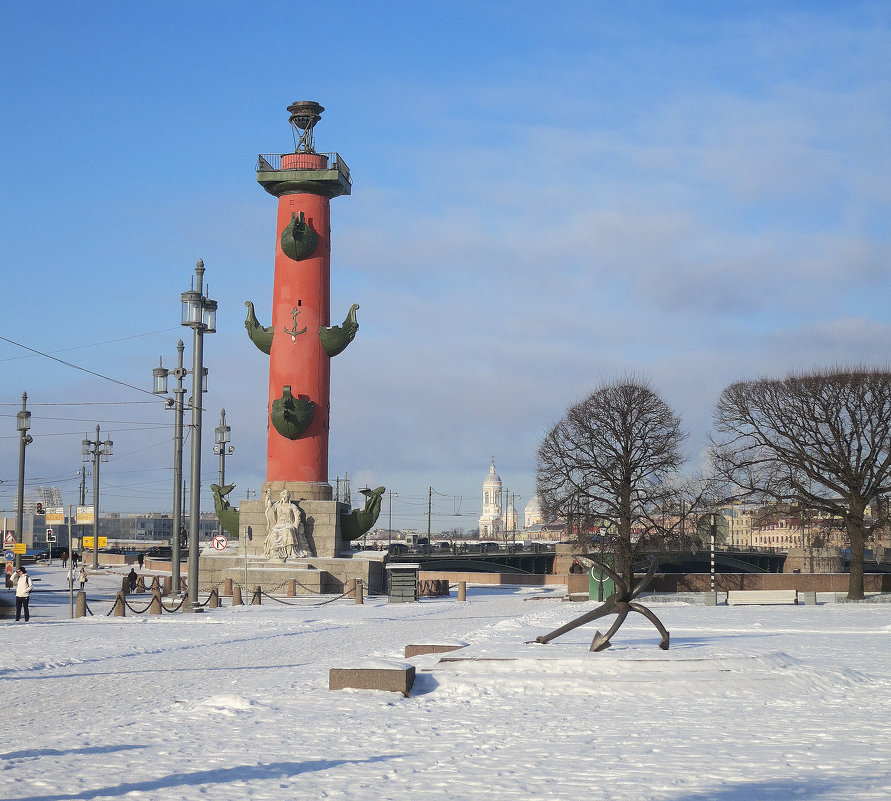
(128, 530)
(532, 515)
(151, 527)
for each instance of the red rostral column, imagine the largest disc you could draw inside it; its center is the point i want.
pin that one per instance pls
(300, 339)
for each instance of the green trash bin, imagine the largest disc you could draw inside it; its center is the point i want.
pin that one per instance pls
(600, 585)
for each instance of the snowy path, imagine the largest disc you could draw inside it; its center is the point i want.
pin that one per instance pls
(750, 703)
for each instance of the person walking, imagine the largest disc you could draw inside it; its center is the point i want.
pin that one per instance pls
(23, 587)
(64, 559)
(82, 577)
(133, 577)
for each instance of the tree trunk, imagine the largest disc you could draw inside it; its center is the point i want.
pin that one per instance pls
(626, 549)
(857, 541)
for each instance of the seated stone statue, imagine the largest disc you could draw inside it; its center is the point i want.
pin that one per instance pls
(284, 528)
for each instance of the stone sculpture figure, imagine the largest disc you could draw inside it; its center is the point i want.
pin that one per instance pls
(284, 528)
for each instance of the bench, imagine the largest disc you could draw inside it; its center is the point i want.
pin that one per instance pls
(743, 597)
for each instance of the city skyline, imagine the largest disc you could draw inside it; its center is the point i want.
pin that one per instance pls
(695, 195)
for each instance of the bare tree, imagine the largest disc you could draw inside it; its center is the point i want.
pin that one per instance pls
(822, 439)
(614, 461)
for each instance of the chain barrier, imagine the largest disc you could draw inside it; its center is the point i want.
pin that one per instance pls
(332, 600)
(175, 608)
(279, 600)
(137, 611)
(171, 610)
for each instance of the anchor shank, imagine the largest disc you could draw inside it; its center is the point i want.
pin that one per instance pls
(607, 608)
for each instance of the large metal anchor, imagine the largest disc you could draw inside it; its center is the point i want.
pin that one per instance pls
(619, 603)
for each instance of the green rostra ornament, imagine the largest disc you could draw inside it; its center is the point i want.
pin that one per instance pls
(227, 516)
(260, 335)
(357, 522)
(335, 338)
(291, 416)
(298, 240)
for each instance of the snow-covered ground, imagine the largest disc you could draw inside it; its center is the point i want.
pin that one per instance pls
(750, 703)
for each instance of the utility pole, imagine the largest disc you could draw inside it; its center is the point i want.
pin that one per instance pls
(159, 377)
(97, 449)
(429, 511)
(223, 449)
(390, 523)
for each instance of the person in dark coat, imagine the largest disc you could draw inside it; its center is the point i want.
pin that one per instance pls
(133, 576)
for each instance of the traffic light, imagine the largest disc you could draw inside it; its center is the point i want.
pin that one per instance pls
(40, 508)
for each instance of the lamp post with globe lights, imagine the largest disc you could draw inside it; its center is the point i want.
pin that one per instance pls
(159, 387)
(22, 424)
(200, 314)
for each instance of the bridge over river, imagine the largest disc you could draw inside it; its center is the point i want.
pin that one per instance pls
(539, 559)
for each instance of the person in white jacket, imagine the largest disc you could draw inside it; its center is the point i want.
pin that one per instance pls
(23, 588)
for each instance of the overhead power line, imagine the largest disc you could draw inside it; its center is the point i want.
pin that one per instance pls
(76, 366)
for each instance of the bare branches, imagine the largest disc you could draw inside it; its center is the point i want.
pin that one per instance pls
(613, 460)
(822, 439)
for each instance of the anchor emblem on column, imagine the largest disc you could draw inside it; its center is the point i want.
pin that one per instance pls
(293, 331)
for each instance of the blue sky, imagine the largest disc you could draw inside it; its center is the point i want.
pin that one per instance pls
(545, 196)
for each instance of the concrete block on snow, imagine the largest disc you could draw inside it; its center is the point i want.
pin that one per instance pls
(395, 677)
(440, 648)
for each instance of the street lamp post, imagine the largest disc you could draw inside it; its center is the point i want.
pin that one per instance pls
(22, 424)
(200, 314)
(223, 449)
(159, 387)
(97, 450)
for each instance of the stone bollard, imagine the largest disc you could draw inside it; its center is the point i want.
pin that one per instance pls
(255, 600)
(462, 590)
(140, 584)
(168, 585)
(120, 605)
(227, 587)
(125, 585)
(213, 601)
(350, 588)
(80, 604)
(155, 605)
(360, 591)
(292, 588)
(236, 595)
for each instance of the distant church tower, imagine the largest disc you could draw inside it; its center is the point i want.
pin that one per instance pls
(490, 522)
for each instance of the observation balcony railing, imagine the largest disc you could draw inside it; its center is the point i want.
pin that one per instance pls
(272, 162)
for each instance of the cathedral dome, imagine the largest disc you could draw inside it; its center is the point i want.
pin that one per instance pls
(493, 479)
